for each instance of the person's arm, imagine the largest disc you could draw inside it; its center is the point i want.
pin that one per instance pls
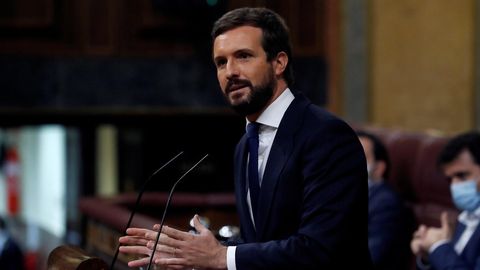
(444, 257)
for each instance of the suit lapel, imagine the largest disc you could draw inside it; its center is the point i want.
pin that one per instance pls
(458, 232)
(470, 252)
(280, 152)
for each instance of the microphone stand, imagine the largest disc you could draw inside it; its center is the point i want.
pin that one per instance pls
(137, 203)
(166, 207)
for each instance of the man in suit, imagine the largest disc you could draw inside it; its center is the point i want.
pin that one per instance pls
(300, 177)
(387, 218)
(11, 256)
(445, 248)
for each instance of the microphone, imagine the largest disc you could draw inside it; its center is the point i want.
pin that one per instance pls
(137, 203)
(166, 207)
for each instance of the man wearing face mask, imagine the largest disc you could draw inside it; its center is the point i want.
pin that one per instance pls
(445, 248)
(386, 213)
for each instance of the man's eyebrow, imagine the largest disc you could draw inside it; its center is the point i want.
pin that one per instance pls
(244, 51)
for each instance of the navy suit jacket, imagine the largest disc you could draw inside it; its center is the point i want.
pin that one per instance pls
(444, 257)
(313, 203)
(388, 233)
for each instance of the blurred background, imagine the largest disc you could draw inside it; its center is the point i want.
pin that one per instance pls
(97, 94)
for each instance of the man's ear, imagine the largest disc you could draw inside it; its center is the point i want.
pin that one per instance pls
(280, 63)
(380, 168)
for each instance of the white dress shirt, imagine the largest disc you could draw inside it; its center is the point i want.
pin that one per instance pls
(269, 122)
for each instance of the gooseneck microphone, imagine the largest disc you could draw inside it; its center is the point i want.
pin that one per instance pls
(137, 203)
(166, 207)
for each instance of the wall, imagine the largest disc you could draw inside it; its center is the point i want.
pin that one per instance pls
(421, 64)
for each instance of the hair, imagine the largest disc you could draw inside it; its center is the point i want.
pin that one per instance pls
(274, 29)
(466, 141)
(380, 152)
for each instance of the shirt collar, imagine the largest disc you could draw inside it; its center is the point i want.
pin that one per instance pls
(273, 114)
(467, 218)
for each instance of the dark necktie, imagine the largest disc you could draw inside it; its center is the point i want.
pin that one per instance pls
(253, 181)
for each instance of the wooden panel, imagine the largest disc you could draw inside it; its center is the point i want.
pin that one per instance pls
(422, 56)
(140, 27)
(25, 13)
(33, 27)
(159, 27)
(307, 21)
(332, 55)
(101, 26)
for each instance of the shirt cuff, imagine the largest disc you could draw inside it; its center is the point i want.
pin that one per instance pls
(231, 258)
(437, 244)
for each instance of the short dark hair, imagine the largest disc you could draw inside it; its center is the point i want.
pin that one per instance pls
(275, 32)
(379, 150)
(466, 141)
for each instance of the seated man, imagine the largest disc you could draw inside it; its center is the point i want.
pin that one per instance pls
(445, 248)
(386, 213)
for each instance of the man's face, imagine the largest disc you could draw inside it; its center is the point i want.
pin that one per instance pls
(376, 168)
(246, 78)
(463, 168)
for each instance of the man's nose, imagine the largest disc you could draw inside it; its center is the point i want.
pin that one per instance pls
(232, 69)
(456, 179)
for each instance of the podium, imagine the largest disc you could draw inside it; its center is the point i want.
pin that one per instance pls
(73, 258)
(106, 217)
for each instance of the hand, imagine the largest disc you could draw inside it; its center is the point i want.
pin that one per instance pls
(434, 235)
(416, 243)
(200, 250)
(135, 243)
(425, 237)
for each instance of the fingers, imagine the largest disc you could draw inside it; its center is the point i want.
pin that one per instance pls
(137, 250)
(444, 221)
(176, 234)
(170, 262)
(420, 232)
(139, 263)
(198, 225)
(133, 240)
(162, 248)
(415, 246)
(137, 231)
(152, 235)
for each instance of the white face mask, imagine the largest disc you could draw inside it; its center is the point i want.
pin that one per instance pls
(465, 195)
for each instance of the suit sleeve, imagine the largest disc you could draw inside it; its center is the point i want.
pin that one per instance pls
(445, 258)
(332, 226)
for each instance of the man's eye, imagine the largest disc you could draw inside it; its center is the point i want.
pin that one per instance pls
(220, 63)
(244, 55)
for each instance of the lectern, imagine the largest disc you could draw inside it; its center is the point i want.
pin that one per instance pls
(73, 258)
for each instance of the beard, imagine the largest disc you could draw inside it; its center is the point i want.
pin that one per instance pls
(257, 98)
